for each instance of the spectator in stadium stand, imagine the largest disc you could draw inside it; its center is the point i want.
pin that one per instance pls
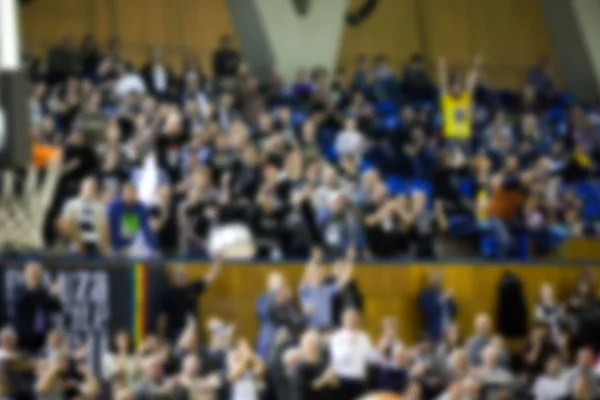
(480, 339)
(83, 221)
(35, 308)
(551, 384)
(179, 298)
(314, 378)
(438, 307)
(537, 350)
(456, 102)
(226, 60)
(316, 293)
(129, 225)
(415, 81)
(156, 74)
(351, 353)
(583, 369)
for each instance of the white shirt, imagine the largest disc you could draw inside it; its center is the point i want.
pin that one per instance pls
(351, 353)
(159, 78)
(129, 83)
(550, 387)
(349, 143)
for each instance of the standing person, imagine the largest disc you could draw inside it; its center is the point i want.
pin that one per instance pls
(351, 351)
(456, 102)
(178, 300)
(349, 295)
(35, 308)
(314, 378)
(245, 369)
(83, 221)
(316, 293)
(268, 328)
(129, 223)
(437, 306)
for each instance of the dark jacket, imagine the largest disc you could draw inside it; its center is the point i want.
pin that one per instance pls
(511, 307)
(34, 316)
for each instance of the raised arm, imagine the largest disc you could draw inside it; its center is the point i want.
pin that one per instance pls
(443, 74)
(346, 275)
(475, 73)
(214, 270)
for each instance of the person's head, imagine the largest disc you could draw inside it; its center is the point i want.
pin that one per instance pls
(456, 85)
(413, 391)
(452, 334)
(511, 164)
(379, 193)
(76, 138)
(309, 343)
(33, 274)
(585, 358)
(220, 333)
(416, 61)
(581, 388)
(190, 366)
(351, 319)
(483, 325)
(539, 331)
(226, 42)
(584, 287)
(490, 356)
(89, 188)
(178, 275)
(201, 178)
(389, 327)
(471, 388)
(308, 131)
(350, 124)
(419, 201)
(275, 281)
(553, 365)
(153, 368)
(122, 342)
(129, 193)
(315, 275)
(337, 202)
(458, 361)
(55, 339)
(156, 54)
(400, 355)
(250, 155)
(8, 339)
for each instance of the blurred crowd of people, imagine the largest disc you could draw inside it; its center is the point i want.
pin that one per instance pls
(310, 345)
(152, 160)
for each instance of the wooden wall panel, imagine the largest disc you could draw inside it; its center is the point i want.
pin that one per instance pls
(392, 29)
(388, 289)
(511, 34)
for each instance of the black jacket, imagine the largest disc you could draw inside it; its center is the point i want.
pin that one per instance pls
(511, 307)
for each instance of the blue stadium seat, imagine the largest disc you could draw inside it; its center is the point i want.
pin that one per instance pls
(298, 118)
(395, 186)
(386, 108)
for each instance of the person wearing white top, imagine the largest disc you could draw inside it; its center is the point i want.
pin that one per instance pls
(351, 352)
(553, 384)
(349, 141)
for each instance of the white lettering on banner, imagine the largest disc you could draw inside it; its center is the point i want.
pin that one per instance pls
(85, 299)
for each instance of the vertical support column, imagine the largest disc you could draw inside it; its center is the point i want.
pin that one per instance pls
(575, 34)
(274, 33)
(14, 131)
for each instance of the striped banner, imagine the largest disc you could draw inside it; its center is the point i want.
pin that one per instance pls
(139, 293)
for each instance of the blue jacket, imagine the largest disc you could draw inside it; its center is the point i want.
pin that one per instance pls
(126, 222)
(437, 311)
(268, 329)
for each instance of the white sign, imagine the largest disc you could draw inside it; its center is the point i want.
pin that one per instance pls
(85, 315)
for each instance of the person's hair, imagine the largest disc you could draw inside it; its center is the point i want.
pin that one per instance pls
(113, 345)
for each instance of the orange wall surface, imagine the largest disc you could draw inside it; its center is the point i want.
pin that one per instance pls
(388, 290)
(510, 34)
